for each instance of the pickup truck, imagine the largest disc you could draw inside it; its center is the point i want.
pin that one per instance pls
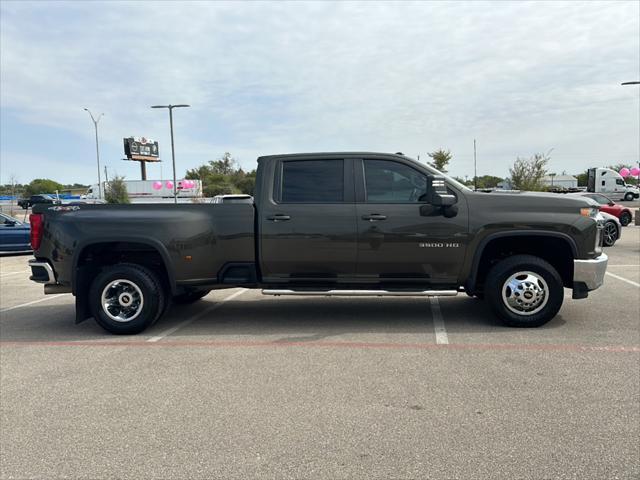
(26, 203)
(324, 224)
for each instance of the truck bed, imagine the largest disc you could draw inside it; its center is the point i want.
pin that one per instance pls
(196, 241)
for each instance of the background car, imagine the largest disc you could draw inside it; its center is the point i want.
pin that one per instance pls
(35, 199)
(14, 235)
(609, 206)
(612, 229)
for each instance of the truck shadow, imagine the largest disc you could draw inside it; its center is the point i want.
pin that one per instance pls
(312, 319)
(286, 320)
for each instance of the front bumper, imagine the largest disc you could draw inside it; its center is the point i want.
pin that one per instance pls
(589, 274)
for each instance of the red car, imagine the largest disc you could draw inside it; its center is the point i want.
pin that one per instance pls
(609, 206)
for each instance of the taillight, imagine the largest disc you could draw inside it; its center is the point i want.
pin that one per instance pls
(36, 230)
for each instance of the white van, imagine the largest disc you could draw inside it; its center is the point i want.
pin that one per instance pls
(611, 183)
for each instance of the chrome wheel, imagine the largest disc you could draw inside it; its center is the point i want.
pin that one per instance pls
(610, 233)
(525, 293)
(122, 300)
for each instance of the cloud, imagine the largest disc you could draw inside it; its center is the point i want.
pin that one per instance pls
(265, 78)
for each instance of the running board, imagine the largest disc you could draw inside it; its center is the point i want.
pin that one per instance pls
(363, 293)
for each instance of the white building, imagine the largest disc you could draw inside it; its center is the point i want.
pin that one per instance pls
(560, 181)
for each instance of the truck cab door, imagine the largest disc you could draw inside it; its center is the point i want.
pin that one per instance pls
(307, 221)
(402, 239)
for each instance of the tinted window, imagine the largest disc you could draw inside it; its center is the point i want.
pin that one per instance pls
(313, 181)
(393, 182)
(619, 181)
(601, 199)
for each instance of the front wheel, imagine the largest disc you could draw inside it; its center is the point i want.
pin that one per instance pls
(126, 298)
(524, 291)
(629, 197)
(625, 219)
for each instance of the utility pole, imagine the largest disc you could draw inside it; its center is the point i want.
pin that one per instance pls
(95, 124)
(173, 152)
(475, 167)
(106, 181)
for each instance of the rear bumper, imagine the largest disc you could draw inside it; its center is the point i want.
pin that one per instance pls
(590, 273)
(42, 272)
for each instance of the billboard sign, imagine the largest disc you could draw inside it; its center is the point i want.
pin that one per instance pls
(141, 148)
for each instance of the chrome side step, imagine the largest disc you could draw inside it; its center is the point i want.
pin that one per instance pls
(363, 293)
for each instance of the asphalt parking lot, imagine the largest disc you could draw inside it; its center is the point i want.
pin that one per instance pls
(245, 386)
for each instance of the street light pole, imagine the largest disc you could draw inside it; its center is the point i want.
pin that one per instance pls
(173, 152)
(95, 124)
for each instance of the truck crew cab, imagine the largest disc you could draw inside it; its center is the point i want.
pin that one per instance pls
(325, 224)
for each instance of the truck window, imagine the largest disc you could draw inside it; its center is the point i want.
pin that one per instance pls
(312, 181)
(393, 182)
(619, 181)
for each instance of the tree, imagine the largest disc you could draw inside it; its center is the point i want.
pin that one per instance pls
(441, 159)
(223, 177)
(225, 165)
(42, 185)
(583, 179)
(116, 191)
(488, 181)
(527, 173)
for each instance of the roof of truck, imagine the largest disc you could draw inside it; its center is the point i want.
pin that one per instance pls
(311, 155)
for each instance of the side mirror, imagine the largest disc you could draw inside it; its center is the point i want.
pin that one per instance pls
(438, 194)
(10, 223)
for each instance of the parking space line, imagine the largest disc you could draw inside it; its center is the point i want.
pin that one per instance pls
(48, 297)
(210, 309)
(438, 322)
(8, 274)
(630, 282)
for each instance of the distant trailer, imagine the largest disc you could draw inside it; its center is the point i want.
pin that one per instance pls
(141, 189)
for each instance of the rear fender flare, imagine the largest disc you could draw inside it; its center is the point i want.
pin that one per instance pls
(148, 241)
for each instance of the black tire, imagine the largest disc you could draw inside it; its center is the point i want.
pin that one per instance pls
(190, 297)
(625, 219)
(629, 197)
(139, 285)
(528, 284)
(610, 234)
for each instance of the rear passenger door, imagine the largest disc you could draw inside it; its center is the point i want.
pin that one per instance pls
(308, 221)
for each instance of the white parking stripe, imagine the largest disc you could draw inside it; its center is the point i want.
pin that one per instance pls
(48, 297)
(438, 322)
(12, 273)
(630, 282)
(213, 307)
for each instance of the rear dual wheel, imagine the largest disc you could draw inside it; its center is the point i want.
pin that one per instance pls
(127, 298)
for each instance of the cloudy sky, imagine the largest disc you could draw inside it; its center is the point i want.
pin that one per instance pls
(265, 78)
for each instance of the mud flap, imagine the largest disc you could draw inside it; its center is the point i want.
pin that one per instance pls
(84, 276)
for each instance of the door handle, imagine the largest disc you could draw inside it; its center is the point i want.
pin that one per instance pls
(374, 217)
(279, 218)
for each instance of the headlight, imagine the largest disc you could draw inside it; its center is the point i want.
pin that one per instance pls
(589, 211)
